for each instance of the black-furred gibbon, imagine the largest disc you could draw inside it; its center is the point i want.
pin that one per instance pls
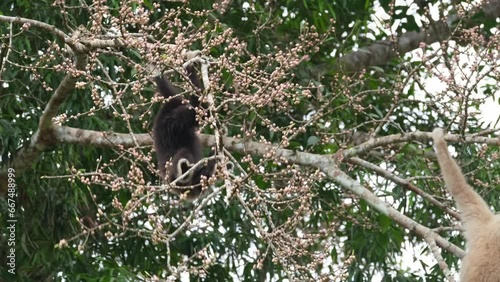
(176, 141)
(481, 225)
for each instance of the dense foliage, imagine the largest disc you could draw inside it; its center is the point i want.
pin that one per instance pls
(326, 107)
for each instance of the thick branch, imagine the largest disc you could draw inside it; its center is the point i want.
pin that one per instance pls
(347, 182)
(62, 92)
(78, 43)
(405, 183)
(323, 162)
(381, 52)
(407, 137)
(101, 139)
(43, 138)
(41, 25)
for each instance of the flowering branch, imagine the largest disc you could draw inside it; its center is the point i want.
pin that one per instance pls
(325, 163)
(381, 52)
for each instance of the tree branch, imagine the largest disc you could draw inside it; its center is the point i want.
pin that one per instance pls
(381, 52)
(43, 26)
(405, 183)
(431, 241)
(80, 44)
(406, 137)
(324, 162)
(43, 138)
(62, 92)
(100, 139)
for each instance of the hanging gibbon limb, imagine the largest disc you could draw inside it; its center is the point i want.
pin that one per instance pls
(481, 225)
(177, 144)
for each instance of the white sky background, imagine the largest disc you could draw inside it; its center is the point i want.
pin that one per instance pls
(489, 112)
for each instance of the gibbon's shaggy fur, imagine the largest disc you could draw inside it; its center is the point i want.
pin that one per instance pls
(481, 225)
(176, 141)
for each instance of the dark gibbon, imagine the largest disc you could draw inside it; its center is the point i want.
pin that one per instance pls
(177, 144)
(481, 225)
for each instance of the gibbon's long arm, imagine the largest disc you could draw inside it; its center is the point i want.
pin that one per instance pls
(191, 71)
(474, 209)
(195, 80)
(165, 87)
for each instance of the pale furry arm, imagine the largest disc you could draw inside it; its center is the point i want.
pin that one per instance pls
(474, 209)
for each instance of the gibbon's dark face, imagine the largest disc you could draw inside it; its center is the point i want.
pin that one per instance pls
(177, 144)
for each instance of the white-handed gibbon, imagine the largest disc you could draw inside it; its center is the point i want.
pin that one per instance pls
(481, 225)
(176, 141)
